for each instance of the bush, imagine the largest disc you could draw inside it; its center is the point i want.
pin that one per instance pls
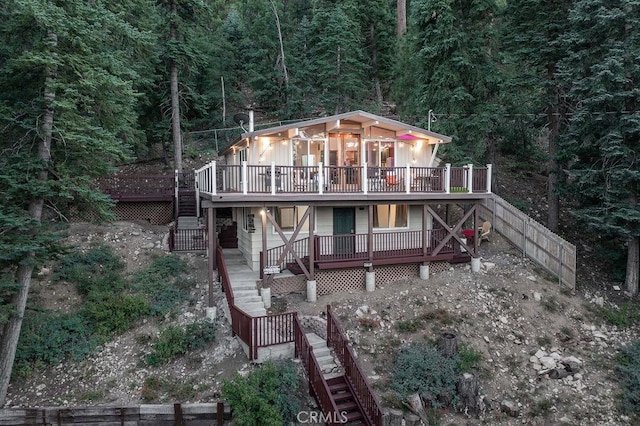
(162, 284)
(625, 316)
(96, 270)
(114, 313)
(265, 396)
(46, 339)
(421, 368)
(629, 370)
(175, 341)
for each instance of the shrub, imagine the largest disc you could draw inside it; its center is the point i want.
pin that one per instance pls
(162, 284)
(96, 270)
(467, 358)
(421, 368)
(159, 389)
(409, 326)
(629, 370)
(625, 316)
(46, 339)
(267, 394)
(175, 341)
(114, 313)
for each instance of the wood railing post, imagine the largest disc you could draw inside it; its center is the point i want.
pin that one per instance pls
(365, 186)
(470, 178)
(489, 168)
(407, 179)
(245, 178)
(214, 178)
(273, 178)
(447, 178)
(320, 178)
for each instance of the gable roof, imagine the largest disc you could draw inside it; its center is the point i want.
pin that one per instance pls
(364, 119)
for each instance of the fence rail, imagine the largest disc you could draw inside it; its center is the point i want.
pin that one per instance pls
(337, 340)
(138, 415)
(187, 239)
(546, 248)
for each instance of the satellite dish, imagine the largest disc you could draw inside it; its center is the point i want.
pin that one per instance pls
(240, 119)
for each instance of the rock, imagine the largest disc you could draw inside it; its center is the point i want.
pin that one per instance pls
(540, 353)
(510, 407)
(148, 246)
(548, 362)
(558, 373)
(532, 278)
(599, 301)
(616, 287)
(504, 320)
(393, 418)
(572, 364)
(537, 296)
(488, 265)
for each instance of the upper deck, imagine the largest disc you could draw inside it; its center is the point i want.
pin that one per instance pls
(231, 185)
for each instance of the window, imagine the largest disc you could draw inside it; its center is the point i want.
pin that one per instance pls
(289, 217)
(390, 216)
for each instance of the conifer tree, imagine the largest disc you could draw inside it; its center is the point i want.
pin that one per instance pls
(68, 108)
(602, 70)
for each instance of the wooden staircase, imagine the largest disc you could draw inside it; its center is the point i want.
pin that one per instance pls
(348, 406)
(187, 205)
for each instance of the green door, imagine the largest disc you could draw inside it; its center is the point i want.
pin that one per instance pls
(344, 226)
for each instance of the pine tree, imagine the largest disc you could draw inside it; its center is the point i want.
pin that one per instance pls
(535, 33)
(602, 70)
(68, 109)
(448, 66)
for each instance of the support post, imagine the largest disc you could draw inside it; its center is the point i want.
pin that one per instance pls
(320, 178)
(370, 233)
(245, 182)
(312, 245)
(273, 178)
(197, 188)
(214, 178)
(470, 178)
(263, 218)
(365, 181)
(407, 179)
(447, 178)
(424, 271)
(489, 169)
(211, 247)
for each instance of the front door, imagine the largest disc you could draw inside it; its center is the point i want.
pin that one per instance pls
(344, 226)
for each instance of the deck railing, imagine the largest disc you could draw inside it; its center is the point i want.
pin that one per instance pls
(138, 187)
(337, 340)
(317, 383)
(216, 178)
(301, 247)
(194, 239)
(272, 330)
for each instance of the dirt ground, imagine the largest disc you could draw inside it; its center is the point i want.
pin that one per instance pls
(511, 312)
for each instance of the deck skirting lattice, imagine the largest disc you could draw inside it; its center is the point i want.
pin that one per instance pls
(156, 212)
(346, 280)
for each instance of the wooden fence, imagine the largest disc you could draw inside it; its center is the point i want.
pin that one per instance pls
(138, 415)
(549, 250)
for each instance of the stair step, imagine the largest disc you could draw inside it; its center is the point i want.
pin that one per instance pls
(353, 416)
(321, 351)
(336, 381)
(341, 397)
(250, 306)
(347, 406)
(339, 387)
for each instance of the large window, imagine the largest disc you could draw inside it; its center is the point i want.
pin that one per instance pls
(288, 217)
(390, 216)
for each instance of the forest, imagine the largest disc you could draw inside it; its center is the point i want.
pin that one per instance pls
(89, 85)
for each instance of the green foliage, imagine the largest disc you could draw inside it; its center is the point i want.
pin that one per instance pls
(175, 341)
(625, 316)
(265, 397)
(421, 368)
(96, 270)
(112, 313)
(628, 369)
(48, 338)
(162, 283)
(467, 358)
(409, 326)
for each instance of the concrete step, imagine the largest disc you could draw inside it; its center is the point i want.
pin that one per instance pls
(188, 222)
(321, 351)
(243, 286)
(249, 306)
(244, 292)
(255, 312)
(243, 300)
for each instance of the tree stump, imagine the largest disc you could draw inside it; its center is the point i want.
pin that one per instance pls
(468, 393)
(448, 345)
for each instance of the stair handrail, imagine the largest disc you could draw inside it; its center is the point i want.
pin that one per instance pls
(363, 390)
(274, 253)
(318, 383)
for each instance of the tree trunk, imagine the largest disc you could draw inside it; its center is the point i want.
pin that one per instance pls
(175, 96)
(448, 345)
(284, 63)
(468, 393)
(374, 63)
(553, 198)
(633, 264)
(11, 330)
(402, 16)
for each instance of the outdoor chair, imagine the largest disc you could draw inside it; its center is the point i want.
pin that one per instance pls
(484, 231)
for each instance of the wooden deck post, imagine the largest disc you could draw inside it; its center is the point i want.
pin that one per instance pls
(370, 234)
(212, 245)
(311, 249)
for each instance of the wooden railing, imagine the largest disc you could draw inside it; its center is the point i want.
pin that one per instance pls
(301, 247)
(216, 178)
(138, 187)
(194, 239)
(317, 383)
(272, 330)
(337, 340)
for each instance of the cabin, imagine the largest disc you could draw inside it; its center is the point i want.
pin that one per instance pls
(348, 192)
